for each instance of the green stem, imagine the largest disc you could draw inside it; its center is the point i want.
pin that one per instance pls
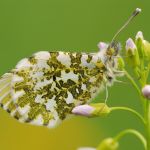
(148, 124)
(135, 86)
(130, 110)
(148, 70)
(134, 132)
(132, 81)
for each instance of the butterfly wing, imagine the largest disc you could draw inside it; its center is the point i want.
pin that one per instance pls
(47, 86)
(5, 91)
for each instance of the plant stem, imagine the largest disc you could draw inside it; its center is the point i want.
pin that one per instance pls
(130, 110)
(134, 132)
(136, 87)
(132, 81)
(148, 124)
(148, 70)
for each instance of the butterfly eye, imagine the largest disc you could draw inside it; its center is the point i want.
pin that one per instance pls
(110, 78)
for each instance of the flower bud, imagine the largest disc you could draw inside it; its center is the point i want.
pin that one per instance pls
(132, 53)
(147, 49)
(143, 46)
(130, 46)
(101, 109)
(146, 91)
(139, 35)
(86, 148)
(108, 144)
(83, 110)
(92, 110)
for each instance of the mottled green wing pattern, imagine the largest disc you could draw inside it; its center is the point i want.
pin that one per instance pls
(47, 86)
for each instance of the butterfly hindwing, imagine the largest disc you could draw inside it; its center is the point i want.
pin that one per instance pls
(47, 86)
(5, 88)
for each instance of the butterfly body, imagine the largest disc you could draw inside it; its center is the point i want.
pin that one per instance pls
(43, 89)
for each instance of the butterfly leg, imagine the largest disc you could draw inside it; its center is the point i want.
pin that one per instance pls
(107, 94)
(118, 72)
(119, 81)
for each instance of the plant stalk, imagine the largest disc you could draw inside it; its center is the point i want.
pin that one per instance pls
(134, 132)
(148, 124)
(131, 111)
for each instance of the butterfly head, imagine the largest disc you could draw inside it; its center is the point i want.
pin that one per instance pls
(113, 49)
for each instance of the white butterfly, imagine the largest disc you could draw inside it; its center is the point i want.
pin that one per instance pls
(43, 89)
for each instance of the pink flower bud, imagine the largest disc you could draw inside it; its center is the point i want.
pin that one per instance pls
(130, 45)
(132, 53)
(139, 35)
(92, 110)
(146, 91)
(83, 110)
(143, 46)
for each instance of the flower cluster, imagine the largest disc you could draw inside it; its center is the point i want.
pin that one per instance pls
(138, 50)
(138, 58)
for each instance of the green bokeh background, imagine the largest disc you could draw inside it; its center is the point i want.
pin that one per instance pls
(27, 26)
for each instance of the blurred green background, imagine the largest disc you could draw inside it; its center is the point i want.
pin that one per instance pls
(27, 26)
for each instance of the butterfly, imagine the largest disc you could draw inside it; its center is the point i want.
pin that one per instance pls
(44, 88)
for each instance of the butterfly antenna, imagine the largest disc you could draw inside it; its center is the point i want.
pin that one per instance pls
(134, 14)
